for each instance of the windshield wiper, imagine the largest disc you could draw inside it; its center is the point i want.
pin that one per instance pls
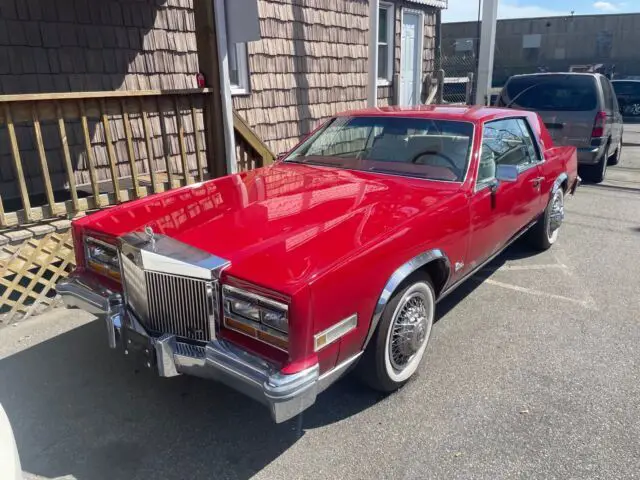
(530, 87)
(395, 172)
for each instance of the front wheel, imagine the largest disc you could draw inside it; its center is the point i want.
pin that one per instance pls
(545, 233)
(398, 345)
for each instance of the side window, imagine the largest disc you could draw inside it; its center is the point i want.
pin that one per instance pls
(527, 135)
(504, 143)
(608, 94)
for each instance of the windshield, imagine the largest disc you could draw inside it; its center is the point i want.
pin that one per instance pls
(552, 93)
(415, 147)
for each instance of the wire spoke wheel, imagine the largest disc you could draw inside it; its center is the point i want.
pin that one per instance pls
(556, 215)
(409, 331)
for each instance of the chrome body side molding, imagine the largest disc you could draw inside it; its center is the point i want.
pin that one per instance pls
(558, 183)
(397, 278)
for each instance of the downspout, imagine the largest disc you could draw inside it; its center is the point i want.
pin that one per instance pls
(225, 87)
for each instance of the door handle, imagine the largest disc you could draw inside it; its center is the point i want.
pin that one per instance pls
(536, 182)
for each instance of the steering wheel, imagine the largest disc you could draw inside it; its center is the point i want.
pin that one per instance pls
(448, 159)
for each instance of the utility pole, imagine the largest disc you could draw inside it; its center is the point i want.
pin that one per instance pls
(487, 49)
(372, 90)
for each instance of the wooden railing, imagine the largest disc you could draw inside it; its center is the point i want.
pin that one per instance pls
(251, 151)
(65, 153)
(112, 146)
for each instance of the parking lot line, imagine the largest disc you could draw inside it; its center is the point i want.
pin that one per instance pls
(588, 303)
(515, 268)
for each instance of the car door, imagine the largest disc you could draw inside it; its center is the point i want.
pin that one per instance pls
(499, 210)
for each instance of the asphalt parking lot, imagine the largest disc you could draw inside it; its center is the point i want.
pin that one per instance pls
(533, 371)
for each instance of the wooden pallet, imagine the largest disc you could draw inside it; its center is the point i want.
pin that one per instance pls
(29, 272)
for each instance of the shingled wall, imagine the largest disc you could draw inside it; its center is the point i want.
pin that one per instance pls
(90, 45)
(312, 63)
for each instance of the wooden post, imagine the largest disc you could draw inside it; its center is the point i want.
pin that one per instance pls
(46, 177)
(90, 161)
(149, 146)
(111, 154)
(440, 95)
(469, 90)
(17, 163)
(196, 138)
(212, 110)
(71, 176)
(130, 152)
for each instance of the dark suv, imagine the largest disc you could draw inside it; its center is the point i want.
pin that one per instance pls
(579, 109)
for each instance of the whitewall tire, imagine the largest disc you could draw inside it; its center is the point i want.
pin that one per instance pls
(398, 346)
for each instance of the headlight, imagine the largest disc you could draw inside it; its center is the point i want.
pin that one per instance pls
(102, 257)
(256, 316)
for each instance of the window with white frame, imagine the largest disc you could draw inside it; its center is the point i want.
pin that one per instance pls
(238, 68)
(385, 42)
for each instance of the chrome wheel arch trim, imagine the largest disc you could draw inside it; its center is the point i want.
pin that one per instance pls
(401, 274)
(558, 183)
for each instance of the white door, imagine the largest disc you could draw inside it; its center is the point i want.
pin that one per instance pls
(410, 58)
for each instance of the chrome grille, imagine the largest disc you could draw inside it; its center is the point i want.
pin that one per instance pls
(180, 306)
(135, 288)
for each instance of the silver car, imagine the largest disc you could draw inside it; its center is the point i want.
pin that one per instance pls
(579, 109)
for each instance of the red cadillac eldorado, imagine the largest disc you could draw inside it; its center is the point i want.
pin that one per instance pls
(279, 280)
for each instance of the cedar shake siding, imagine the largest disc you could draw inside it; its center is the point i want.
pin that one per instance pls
(311, 63)
(87, 45)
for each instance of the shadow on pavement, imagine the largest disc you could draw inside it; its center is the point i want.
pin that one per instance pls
(81, 409)
(519, 250)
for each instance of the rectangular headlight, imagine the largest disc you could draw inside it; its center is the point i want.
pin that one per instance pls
(102, 257)
(257, 316)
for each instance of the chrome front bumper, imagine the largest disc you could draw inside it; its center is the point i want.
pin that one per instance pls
(286, 395)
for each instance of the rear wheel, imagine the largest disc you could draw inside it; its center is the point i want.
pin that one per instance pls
(545, 233)
(398, 345)
(615, 158)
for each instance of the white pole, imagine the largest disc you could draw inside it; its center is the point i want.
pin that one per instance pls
(487, 49)
(372, 84)
(225, 87)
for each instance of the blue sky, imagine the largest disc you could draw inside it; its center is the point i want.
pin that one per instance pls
(462, 10)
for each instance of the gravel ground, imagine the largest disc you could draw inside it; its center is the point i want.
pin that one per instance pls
(533, 371)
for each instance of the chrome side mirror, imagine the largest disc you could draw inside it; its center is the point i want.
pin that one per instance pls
(507, 173)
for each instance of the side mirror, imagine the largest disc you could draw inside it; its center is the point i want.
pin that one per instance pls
(507, 173)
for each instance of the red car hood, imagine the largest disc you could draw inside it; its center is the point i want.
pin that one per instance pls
(283, 225)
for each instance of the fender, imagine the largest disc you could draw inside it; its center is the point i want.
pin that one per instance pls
(559, 181)
(398, 277)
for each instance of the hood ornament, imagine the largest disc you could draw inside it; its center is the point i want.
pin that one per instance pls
(151, 237)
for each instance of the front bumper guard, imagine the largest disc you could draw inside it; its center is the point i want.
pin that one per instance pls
(286, 395)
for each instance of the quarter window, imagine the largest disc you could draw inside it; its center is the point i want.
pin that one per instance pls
(385, 42)
(505, 142)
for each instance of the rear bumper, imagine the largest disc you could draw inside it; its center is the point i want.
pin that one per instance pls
(590, 155)
(286, 395)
